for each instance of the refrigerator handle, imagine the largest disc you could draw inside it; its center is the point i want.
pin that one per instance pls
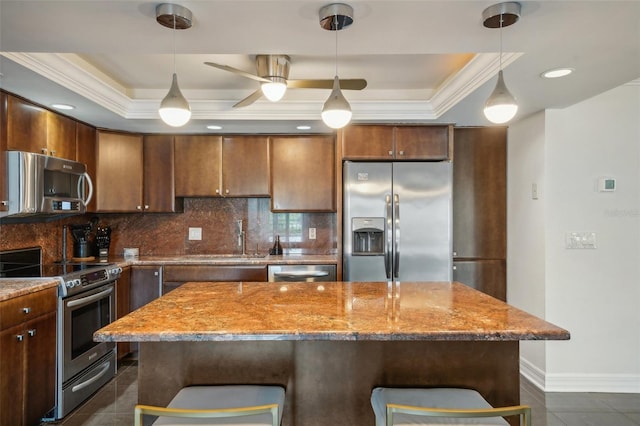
(387, 233)
(396, 257)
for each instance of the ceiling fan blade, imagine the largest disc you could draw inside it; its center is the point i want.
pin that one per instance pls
(237, 71)
(249, 99)
(345, 84)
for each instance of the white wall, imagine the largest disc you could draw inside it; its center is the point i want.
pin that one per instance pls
(594, 293)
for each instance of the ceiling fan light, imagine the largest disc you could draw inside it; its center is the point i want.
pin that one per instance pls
(174, 108)
(501, 106)
(336, 112)
(274, 90)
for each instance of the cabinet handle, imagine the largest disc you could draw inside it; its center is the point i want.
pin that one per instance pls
(44, 151)
(4, 202)
(138, 207)
(226, 191)
(401, 152)
(390, 152)
(217, 191)
(26, 310)
(455, 253)
(32, 332)
(146, 207)
(156, 273)
(20, 337)
(52, 153)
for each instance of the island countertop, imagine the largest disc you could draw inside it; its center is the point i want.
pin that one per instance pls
(246, 311)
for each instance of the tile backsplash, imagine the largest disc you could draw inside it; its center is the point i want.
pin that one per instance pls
(167, 233)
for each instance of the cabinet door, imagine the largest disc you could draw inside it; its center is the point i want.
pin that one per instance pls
(159, 190)
(303, 174)
(198, 171)
(26, 126)
(487, 276)
(479, 193)
(40, 367)
(61, 136)
(422, 142)
(118, 183)
(245, 166)
(123, 302)
(146, 285)
(86, 153)
(4, 195)
(11, 375)
(367, 142)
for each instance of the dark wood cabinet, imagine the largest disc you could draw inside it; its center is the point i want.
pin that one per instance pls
(488, 276)
(145, 284)
(123, 306)
(303, 175)
(26, 126)
(61, 136)
(159, 189)
(86, 154)
(119, 172)
(386, 142)
(245, 166)
(27, 358)
(176, 275)
(213, 166)
(4, 195)
(480, 193)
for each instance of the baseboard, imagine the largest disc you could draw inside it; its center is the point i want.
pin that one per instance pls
(609, 383)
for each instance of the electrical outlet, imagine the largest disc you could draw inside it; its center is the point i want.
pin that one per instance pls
(312, 233)
(195, 233)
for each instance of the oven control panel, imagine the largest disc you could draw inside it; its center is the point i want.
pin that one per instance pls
(76, 282)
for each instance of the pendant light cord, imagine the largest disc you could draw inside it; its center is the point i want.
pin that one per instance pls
(335, 21)
(174, 43)
(501, 18)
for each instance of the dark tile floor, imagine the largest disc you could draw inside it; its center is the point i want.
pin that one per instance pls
(113, 405)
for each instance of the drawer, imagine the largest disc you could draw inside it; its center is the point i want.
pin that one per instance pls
(175, 273)
(20, 309)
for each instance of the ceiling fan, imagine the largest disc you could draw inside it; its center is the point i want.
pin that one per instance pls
(273, 74)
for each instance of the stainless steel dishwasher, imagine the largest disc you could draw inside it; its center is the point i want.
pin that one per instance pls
(304, 273)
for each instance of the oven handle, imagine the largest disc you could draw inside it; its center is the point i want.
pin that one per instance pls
(92, 380)
(89, 299)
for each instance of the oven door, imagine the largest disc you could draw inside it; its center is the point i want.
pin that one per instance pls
(84, 314)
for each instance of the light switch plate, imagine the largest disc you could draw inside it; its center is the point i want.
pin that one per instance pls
(195, 233)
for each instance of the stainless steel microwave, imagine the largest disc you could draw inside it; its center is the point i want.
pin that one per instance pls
(41, 184)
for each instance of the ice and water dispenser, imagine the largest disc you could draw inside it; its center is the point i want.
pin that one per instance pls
(368, 236)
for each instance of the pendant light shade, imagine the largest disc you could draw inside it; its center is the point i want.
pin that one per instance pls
(336, 112)
(501, 105)
(174, 108)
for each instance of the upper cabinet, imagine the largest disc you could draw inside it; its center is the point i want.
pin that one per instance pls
(385, 142)
(213, 166)
(303, 174)
(34, 129)
(134, 174)
(86, 153)
(4, 196)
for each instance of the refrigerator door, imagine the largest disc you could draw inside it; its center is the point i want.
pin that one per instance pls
(422, 219)
(367, 186)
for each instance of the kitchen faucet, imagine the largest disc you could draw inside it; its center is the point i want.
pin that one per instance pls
(242, 237)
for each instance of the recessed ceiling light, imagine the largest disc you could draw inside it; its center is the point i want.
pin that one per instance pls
(557, 72)
(63, 106)
(303, 127)
(214, 127)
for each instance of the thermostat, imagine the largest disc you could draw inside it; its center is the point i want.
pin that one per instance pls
(606, 184)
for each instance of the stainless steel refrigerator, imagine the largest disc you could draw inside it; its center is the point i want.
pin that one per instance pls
(397, 221)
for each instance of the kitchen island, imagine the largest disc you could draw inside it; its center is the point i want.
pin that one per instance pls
(329, 344)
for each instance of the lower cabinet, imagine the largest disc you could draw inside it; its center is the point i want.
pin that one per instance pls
(27, 358)
(176, 275)
(123, 302)
(487, 275)
(146, 285)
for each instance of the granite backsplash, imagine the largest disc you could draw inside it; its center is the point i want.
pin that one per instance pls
(161, 234)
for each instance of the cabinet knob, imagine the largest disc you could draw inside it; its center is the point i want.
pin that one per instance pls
(32, 332)
(52, 153)
(20, 337)
(146, 207)
(4, 202)
(156, 273)
(390, 152)
(401, 152)
(217, 191)
(26, 310)
(226, 191)
(44, 151)
(138, 207)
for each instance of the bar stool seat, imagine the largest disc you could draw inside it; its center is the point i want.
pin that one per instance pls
(429, 406)
(246, 405)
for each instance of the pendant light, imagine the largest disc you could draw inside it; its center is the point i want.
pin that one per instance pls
(501, 106)
(336, 112)
(174, 108)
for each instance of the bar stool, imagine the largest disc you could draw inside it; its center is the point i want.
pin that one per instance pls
(219, 405)
(453, 406)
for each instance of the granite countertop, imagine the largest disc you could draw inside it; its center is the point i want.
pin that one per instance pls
(229, 259)
(16, 287)
(327, 311)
